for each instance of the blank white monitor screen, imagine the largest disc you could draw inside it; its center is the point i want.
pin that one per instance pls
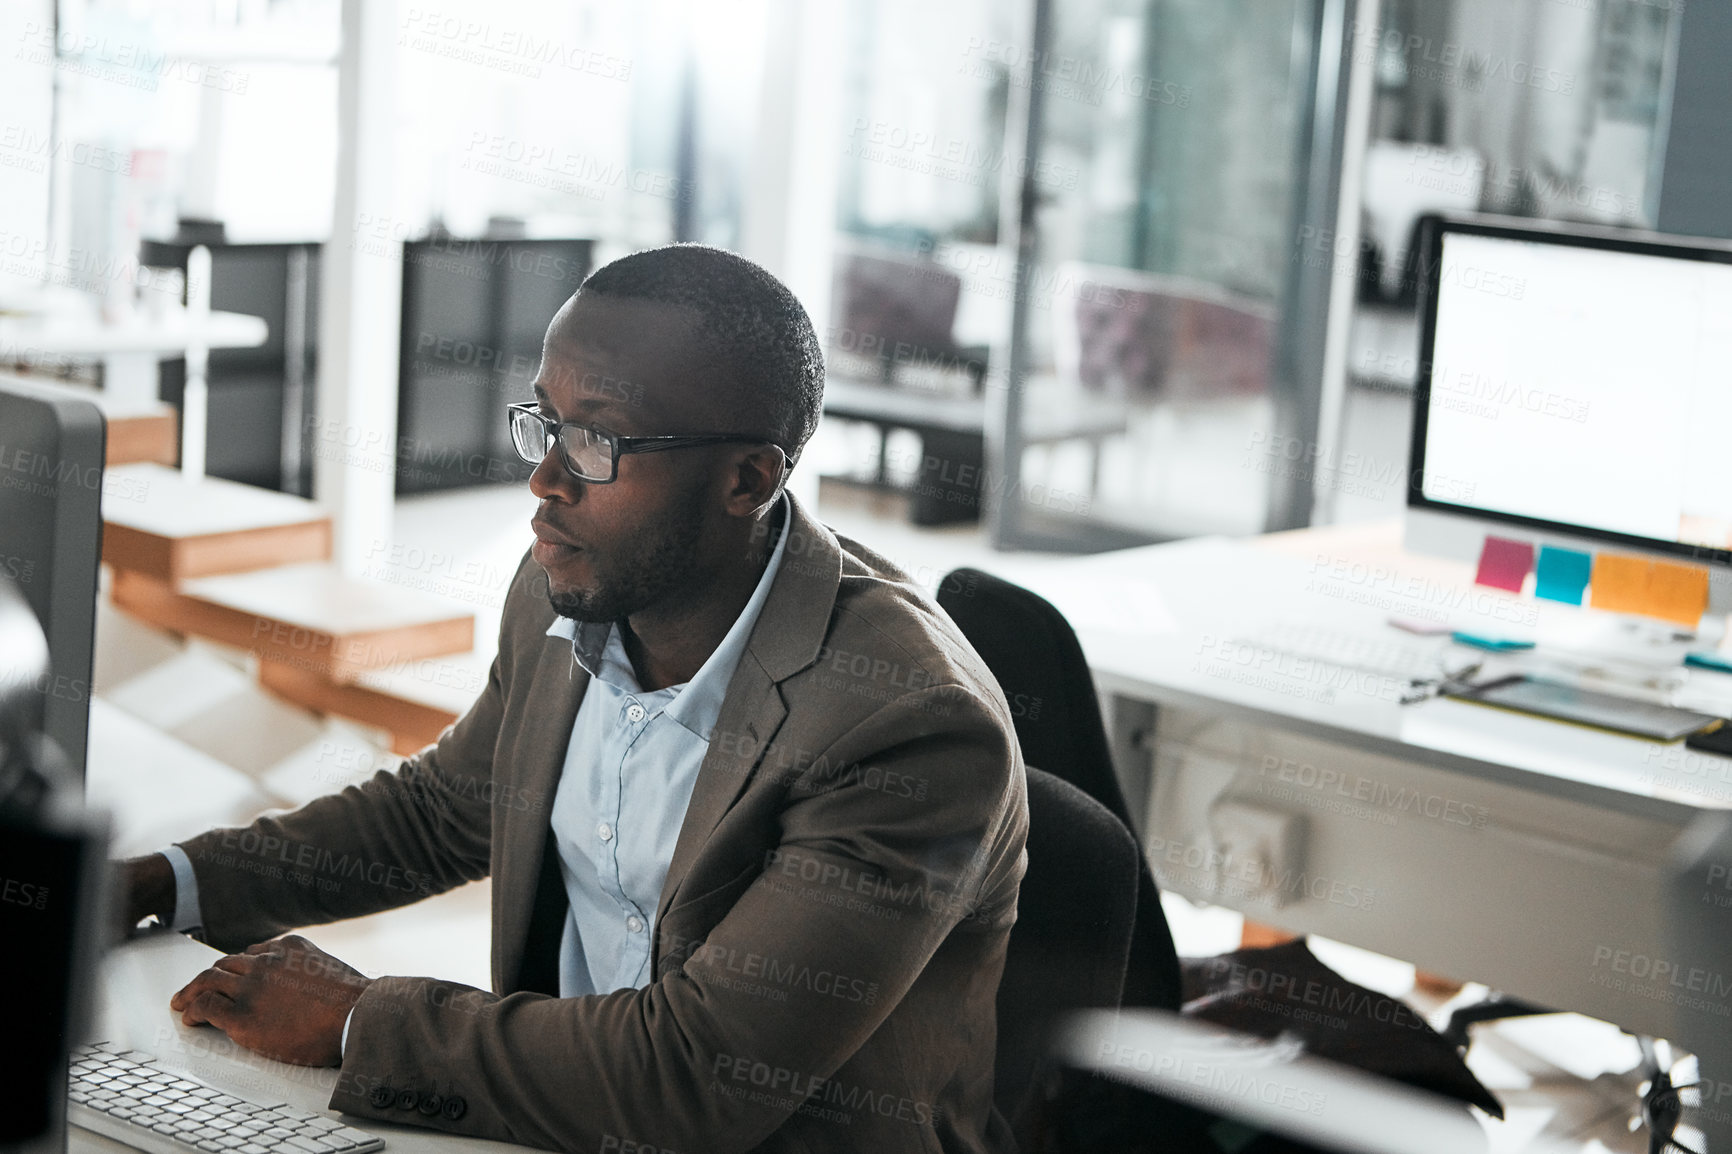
(1583, 386)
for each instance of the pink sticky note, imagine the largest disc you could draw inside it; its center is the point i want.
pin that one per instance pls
(1504, 564)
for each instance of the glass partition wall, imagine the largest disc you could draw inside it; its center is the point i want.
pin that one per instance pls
(1165, 346)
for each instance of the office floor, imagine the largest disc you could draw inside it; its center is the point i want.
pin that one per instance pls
(183, 739)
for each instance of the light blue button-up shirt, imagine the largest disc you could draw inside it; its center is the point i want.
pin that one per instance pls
(629, 770)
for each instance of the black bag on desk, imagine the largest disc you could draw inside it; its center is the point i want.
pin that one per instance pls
(1284, 989)
(1264, 992)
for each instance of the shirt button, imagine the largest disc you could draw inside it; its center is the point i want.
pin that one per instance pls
(634, 924)
(605, 830)
(634, 713)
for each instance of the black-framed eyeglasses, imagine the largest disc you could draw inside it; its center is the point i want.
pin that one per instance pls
(591, 455)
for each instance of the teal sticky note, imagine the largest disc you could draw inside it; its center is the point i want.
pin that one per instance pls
(1562, 574)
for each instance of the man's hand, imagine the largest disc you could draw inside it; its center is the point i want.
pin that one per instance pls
(142, 886)
(285, 998)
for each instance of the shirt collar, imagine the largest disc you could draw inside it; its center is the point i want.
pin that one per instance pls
(697, 703)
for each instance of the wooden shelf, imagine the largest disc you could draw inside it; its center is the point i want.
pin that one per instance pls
(307, 617)
(413, 724)
(159, 524)
(151, 436)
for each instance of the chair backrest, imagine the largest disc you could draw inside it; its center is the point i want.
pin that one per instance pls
(1033, 652)
(1137, 335)
(894, 307)
(1071, 942)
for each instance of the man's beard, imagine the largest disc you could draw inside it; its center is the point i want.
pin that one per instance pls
(636, 580)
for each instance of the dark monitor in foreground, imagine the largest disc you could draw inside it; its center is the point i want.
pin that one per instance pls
(52, 851)
(51, 458)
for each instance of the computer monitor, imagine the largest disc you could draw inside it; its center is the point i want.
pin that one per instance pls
(51, 461)
(52, 849)
(1572, 391)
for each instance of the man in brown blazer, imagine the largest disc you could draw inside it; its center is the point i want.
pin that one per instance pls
(753, 808)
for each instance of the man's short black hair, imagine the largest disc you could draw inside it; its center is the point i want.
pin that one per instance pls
(746, 318)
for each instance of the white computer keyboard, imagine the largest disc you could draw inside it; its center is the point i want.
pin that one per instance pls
(120, 1094)
(1416, 661)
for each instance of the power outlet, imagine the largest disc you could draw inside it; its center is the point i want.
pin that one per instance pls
(1262, 851)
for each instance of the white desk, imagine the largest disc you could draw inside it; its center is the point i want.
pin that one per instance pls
(139, 978)
(1524, 853)
(129, 349)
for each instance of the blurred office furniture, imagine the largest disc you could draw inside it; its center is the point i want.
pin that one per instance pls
(1196, 1072)
(1071, 941)
(1141, 337)
(893, 364)
(1430, 808)
(475, 311)
(260, 396)
(69, 331)
(473, 317)
(1369, 1031)
(146, 430)
(1699, 921)
(1033, 653)
(900, 311)
(172, 528)
(314, 633)
(250, 568)
(951, 481)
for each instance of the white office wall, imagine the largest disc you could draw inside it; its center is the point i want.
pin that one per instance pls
(26, 121)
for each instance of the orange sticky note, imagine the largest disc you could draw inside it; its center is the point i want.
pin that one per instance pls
(1663, 589)
(1678, 592)
(1619, 583)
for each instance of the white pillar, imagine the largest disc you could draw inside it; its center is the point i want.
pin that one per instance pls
(361, 289)
(1361, 44)
(789, 223)
(195, 396)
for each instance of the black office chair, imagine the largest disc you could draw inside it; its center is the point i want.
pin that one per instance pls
(1071, 942)
(1033, 652)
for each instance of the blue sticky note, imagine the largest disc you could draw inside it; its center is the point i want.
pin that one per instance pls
(1562, 574)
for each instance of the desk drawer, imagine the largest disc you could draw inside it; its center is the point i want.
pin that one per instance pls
(1539, 896)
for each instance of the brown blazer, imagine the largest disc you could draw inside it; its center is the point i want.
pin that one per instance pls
(829, 941)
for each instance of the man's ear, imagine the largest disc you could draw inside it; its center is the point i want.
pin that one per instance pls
(758, 474)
